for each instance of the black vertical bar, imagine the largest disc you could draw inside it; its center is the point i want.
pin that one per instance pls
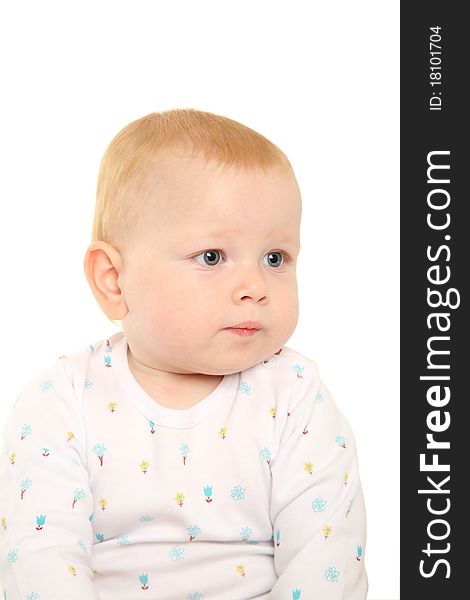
(435, 269)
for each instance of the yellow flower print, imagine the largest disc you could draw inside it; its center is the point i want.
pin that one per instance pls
(70, 436)
(144, 465)
(3, 523)
(103, 503)
(241, 569)
(272, 411)
(346, 477)
(309, 468)
(12, 458)
(179, 498)
(72, 569)
(112, 406)
(222, 432)
(327, 531)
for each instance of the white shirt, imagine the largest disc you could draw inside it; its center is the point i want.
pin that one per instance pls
(252, 493)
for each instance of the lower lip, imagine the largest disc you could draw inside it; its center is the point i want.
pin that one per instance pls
(243, 332)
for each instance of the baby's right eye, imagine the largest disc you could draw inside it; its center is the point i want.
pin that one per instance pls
(210, 258)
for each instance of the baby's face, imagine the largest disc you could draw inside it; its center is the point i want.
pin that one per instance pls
(212, 249)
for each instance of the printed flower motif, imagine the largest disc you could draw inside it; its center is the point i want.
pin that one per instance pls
(26, 430)
(319, 504)
(78, 494)
(299, 369)
(245, 533)
(208, 493)
(222, 432)
(244, 388)
(112, 406)
(99, 450)
(349, 506)
(278, 538)
(45, 452)
(31, 596)
(3, 522)
(238, 493)
(143, 578)
(296, 594)
(70, 436)
(73, 570)
(12, 555)
(46, 385)
(193, 531)
(88, 384)
(319, 397)
(241, 570)
(92, 348)
(146, 518)
(90, 518)
(184, 449)
(11, 458)
(103, 503)
(194, 596)
(81, 544)
(152, 426)
(327, 531)
(176, 553)
(123, 540)
(272, 411)
(332, 574)
(100, 537)
(305, 431)
(25, 485)
(179, 498)
(144, 465)
(341, 441)
(266, 454)
(107, 354)
(359, 553)
(40, 520)
(309, 468)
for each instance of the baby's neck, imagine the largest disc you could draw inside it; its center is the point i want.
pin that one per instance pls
(176, 390)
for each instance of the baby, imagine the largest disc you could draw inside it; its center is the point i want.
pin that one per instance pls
(191, 455)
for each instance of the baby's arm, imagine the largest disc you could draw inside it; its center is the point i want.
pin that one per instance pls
(317, 507)
(45, 501)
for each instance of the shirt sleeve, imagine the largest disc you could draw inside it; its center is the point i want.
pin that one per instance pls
(46, 506)
(317, 506)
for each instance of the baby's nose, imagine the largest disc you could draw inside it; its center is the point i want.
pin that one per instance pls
(251, 286)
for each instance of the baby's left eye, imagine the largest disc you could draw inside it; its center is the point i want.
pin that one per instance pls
(275, 259)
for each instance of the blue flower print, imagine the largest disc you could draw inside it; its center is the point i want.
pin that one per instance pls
(99, 450)
(296, 594)
(299, 369)
(81, 544)
(12, 555)
(245, 533)
(193, 531)
(100, 537)
(32, 596)
(146, 518)
(78, 494)
(332, 574)
(123, 540)
(341, 441)
(92, 348)
(238, 493)
(319, 397)
(176, 553)
(143, 578)
(26, 430)
(244, 388)
(359, 553)
(208, 493)
(194, 596)
(266, 454)
(40, 520)
(319, 504)
(152, 426)
(46, 385)
(184, 449)
(25, 485)
(88, 384)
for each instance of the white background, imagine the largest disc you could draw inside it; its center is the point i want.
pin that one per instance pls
(320, 79)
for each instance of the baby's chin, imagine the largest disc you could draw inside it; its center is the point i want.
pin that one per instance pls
(229, 365)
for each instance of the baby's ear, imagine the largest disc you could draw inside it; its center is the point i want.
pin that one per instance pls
(102, 265)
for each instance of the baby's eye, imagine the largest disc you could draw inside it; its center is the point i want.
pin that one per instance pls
(209, 258)
(275, 259)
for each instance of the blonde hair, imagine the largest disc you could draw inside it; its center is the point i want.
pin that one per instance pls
(129, 155)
